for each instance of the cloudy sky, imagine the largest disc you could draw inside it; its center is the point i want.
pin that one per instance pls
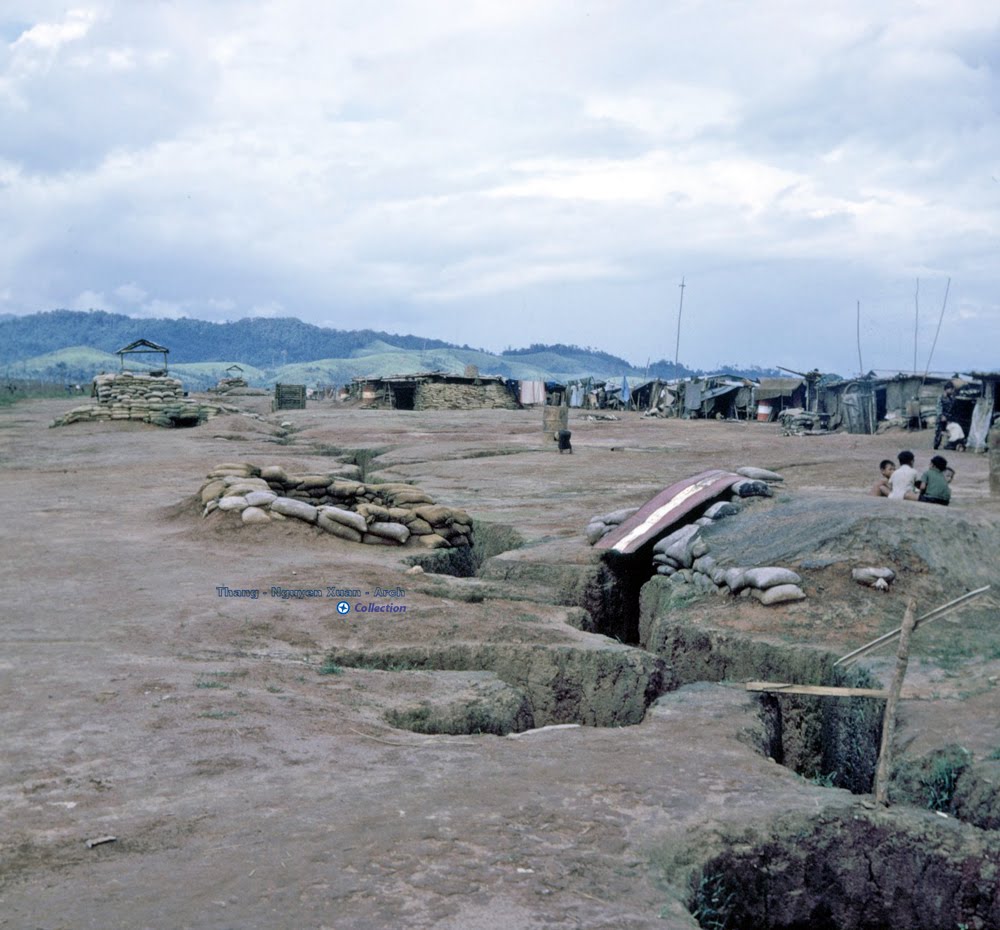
(500, 173)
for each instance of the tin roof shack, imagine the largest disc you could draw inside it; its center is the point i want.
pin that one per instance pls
(720, 397)
(911, 400)
(777, 394)
(660, 398)
(435, 390)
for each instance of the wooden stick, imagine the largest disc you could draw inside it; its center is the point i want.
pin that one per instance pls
(934, 614)
(889, 719)
(779, 687)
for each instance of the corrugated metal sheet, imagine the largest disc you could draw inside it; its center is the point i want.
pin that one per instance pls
(770, 388)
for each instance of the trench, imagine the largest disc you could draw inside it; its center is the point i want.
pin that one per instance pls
(605, 686)
(853, 871)
(833, 742)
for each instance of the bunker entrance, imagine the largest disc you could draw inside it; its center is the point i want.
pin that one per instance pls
(863, 872)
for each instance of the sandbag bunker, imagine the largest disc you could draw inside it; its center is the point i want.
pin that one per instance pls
(146, 398)
(683, 554)
(375, 514)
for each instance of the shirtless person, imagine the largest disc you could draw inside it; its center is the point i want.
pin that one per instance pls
(882, 488)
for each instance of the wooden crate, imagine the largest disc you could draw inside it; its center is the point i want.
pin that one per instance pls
(289, 397)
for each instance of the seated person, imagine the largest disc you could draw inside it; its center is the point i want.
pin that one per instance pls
(954, 436)
(882, 488)
(904, 478)
(933, 485)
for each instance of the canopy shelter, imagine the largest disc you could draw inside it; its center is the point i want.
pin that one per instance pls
(143, 347)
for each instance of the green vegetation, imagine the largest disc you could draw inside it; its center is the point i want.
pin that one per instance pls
(712, 903)
(932, 780)
(329, 667)
(29, 388)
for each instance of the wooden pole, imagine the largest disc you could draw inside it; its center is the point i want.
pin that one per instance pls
(889, 719)
(677, 347)
(944, 304)
(861, 367)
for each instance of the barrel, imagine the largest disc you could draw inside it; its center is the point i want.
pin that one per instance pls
(554, 419)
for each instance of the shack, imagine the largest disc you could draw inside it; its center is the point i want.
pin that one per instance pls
(777, 394)
(434, 390)
(719, 396)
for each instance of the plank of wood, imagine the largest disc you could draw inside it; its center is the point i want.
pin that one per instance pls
(781, 687)
(670, 506)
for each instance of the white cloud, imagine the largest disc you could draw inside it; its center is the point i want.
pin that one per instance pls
(51, 36)
(228, 159)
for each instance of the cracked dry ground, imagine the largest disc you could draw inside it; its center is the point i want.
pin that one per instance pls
(247, 789)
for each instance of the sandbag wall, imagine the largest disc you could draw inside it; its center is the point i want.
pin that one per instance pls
(375, 514)
(146, 398)
(126, 387)
(446, 396)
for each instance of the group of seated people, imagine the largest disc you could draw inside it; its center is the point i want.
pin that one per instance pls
(902, 482)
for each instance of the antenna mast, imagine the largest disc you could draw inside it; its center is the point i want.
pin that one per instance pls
(677, 347)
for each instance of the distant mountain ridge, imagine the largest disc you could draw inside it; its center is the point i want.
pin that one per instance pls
(75, 345)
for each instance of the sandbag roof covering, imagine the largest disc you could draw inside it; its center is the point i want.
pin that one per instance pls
(422, 376)
(771, 388)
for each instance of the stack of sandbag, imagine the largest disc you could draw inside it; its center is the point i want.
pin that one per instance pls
(683, 555)
(375, 514)
(141, 397)
(795, 421)
(684, 558)
(176, 413)
(126, 387)
(604, 524)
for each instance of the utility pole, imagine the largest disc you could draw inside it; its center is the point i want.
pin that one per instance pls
(861, 365)
(677, 347)
(916, 323)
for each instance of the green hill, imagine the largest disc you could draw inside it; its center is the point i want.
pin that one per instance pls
(70, 346)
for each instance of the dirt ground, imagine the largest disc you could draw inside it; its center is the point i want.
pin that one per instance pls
(250, 784)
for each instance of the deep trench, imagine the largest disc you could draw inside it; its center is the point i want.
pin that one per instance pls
(852, 872)
(833, 742)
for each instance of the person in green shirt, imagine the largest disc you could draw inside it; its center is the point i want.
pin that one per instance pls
(933, 485)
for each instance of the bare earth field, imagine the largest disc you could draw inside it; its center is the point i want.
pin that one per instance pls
(241, 752)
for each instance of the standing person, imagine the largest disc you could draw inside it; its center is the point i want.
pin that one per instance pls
(945, 406)
(904, 478)
(882, 488)
(934, 486)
